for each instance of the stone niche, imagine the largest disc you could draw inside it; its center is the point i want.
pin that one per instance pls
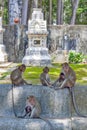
(37, 52)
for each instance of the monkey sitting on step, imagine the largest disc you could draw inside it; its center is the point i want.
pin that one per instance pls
(45, 78)
(69, 82)
(16, 76)
(70, 76)
(32, 108)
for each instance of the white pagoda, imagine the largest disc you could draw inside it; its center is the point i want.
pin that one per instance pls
(37, 51)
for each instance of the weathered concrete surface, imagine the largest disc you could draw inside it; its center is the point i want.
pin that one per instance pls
(61, 124)
(38, 124)
(81, 100)
(23, 124)
(34, 124)
(55, 104)
(79, 123)
(6, 108)
(56, 107)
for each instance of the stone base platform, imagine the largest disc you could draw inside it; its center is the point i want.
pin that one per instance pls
(37, 56)
(38, 124)
(56, 107)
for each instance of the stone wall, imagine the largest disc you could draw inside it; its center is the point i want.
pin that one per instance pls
(76, 34)
(56, 108)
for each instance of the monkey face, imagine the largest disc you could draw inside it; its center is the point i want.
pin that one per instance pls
(65, 68)
(22, 68)
(46, 70)
(32, 102)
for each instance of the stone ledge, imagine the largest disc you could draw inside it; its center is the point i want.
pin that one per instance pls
(79, 123)
(55, 104)
(48, 98)
(74, 123)
(23, 124)
(34, 124)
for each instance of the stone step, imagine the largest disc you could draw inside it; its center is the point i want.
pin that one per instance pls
(56, 107)
(74, 123)
(54, 104)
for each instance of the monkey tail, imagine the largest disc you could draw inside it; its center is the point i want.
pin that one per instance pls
(14, 104)
(48, 122)
(74, 102)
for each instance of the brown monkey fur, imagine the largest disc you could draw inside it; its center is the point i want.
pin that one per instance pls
(70, 76)
(16, 76)
(34, 107)
(45, 78)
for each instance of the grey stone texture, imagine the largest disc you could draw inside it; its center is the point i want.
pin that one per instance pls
(56, 107)
(79, 123)
(77, 33)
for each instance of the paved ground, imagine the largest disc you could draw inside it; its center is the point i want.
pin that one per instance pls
(6, 68)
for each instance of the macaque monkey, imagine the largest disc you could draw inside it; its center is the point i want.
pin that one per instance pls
(32, 108)
(70, 76)
(45, 78)
(59, 81)
(16, 76)
(69, 82)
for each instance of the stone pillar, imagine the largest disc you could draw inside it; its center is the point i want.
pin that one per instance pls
(3, 54)
(50, 12)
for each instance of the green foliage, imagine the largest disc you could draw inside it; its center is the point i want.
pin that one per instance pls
(75, 57)
(82, 12)
(5, 12)
(81, 15)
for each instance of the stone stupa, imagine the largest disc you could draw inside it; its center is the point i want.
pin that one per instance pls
(37, 51)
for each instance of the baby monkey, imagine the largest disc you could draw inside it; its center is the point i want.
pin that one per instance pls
(59, 81)
(32, 108)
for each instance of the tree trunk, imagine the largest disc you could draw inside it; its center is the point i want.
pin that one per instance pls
(13, 13)
(50, 12)
(74, 9)
(30, 6)
(59, 12)
(62, 5)
(24, 12)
